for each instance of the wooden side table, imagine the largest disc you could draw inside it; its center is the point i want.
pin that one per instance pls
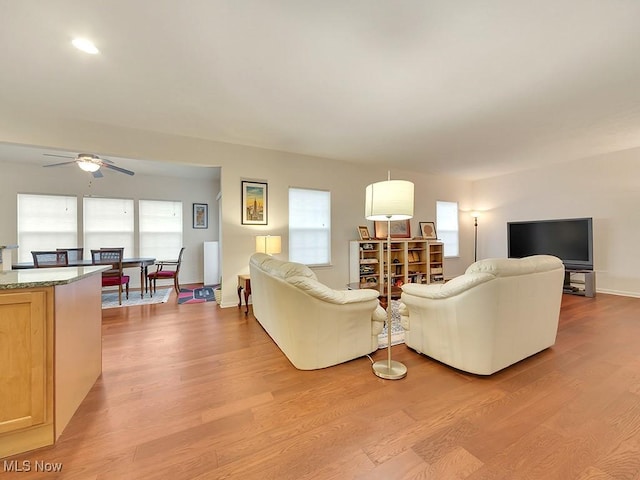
(244, 283)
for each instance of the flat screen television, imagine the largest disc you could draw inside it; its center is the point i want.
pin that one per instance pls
(570, 239)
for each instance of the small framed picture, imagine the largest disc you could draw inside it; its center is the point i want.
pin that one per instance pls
(200, 215)
(254, 203)
(428, 230)
(363, 231)
(399, 229)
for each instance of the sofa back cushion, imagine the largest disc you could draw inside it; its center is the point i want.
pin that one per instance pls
(507, 267)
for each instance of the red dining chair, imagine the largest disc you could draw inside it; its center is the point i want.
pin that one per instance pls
(113, 277)
(42, 259)
(166, 274)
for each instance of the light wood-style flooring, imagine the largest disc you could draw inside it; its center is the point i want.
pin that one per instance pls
(199, 392)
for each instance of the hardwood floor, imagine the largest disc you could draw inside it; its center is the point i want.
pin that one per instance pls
(199, 392)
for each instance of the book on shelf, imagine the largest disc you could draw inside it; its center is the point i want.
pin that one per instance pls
(368, 260)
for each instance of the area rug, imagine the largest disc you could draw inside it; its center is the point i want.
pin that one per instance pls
(197, 295)
(110, 299)
(397, 332)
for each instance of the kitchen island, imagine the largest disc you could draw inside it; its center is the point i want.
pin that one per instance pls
(50, 351)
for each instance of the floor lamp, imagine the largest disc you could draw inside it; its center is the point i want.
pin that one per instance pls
(475, 216)
(388, 201)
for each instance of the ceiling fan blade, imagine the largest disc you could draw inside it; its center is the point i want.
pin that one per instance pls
(58, 164)
(54, 155)
(118, 169)
(97, 174)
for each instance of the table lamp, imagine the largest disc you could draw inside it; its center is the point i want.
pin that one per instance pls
(388, 201)
(268, 244)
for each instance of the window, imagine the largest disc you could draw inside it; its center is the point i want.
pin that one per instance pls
(309, 226)
(447, 227)
(46, 222)
(108, 222)
(160, 229)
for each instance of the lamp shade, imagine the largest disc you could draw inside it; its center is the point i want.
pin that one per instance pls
(389, 200)
(268, 244)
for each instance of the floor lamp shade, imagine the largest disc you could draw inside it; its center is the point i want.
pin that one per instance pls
(389, 200)
(268, 244)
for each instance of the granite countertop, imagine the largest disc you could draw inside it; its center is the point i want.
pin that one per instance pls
(8, 247)
(46, 277)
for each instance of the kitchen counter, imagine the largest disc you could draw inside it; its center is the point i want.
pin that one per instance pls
(46, 277)
(51, 344)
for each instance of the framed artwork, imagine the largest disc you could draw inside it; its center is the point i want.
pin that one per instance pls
(254, 203)
(200, 215)
(399, 229)
(428, 230)
(363, 231)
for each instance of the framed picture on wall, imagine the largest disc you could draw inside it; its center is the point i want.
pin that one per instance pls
(254, 203)
(399, 229)
(200, 215)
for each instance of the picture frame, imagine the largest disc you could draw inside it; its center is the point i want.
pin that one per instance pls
(200, 215)
(363, 231)
(399, 229)
(254, 203)
(428, 230)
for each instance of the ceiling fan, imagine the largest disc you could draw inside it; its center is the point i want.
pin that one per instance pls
(89, 163)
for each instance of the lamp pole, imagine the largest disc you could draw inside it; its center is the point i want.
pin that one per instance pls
(475, 216)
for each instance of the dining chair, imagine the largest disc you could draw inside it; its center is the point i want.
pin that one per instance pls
(169, 274)
(51, 258)
(73, 254)
(114, 276)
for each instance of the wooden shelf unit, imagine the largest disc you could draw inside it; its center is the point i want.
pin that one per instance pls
(412, 261)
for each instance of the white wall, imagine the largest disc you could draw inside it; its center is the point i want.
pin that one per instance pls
(605, 187)
(347, 183)
(28, 178)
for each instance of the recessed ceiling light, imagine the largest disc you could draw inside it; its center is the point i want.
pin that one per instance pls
(85, 45)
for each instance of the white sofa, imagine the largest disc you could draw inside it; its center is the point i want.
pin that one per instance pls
(496, 314)
(314, 325)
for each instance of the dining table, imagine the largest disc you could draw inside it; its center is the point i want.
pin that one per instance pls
(142, 262)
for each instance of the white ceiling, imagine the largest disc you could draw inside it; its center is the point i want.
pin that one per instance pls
(468, 88)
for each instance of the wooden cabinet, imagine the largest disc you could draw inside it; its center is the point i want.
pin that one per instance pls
(50, 353)
(26, 372)
(412, 260)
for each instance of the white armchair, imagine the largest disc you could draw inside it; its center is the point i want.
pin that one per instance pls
(314, 325)
(496, 314)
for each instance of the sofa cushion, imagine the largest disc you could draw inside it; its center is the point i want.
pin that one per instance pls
(321, 291)
(281, 269)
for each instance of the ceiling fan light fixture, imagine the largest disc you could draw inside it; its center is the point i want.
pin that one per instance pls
(88, 166)
(85, 45)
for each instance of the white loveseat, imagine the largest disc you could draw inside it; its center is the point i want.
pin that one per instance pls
(496, 314)
(314, 325)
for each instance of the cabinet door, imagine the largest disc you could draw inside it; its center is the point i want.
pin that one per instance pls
(23, 360)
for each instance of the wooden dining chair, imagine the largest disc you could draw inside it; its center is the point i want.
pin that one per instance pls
(73, 254)
(167, 274)
(50, 258)
(114, 276)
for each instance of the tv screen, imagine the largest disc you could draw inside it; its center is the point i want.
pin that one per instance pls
(571, 240)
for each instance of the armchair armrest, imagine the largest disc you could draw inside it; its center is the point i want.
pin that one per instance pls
(450, 289)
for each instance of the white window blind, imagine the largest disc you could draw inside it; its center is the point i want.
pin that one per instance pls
(447, 227)
(108, 222)
(46, 222)
(160, 224)
(309, 226)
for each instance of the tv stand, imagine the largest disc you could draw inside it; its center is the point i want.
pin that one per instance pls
(585, 287)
